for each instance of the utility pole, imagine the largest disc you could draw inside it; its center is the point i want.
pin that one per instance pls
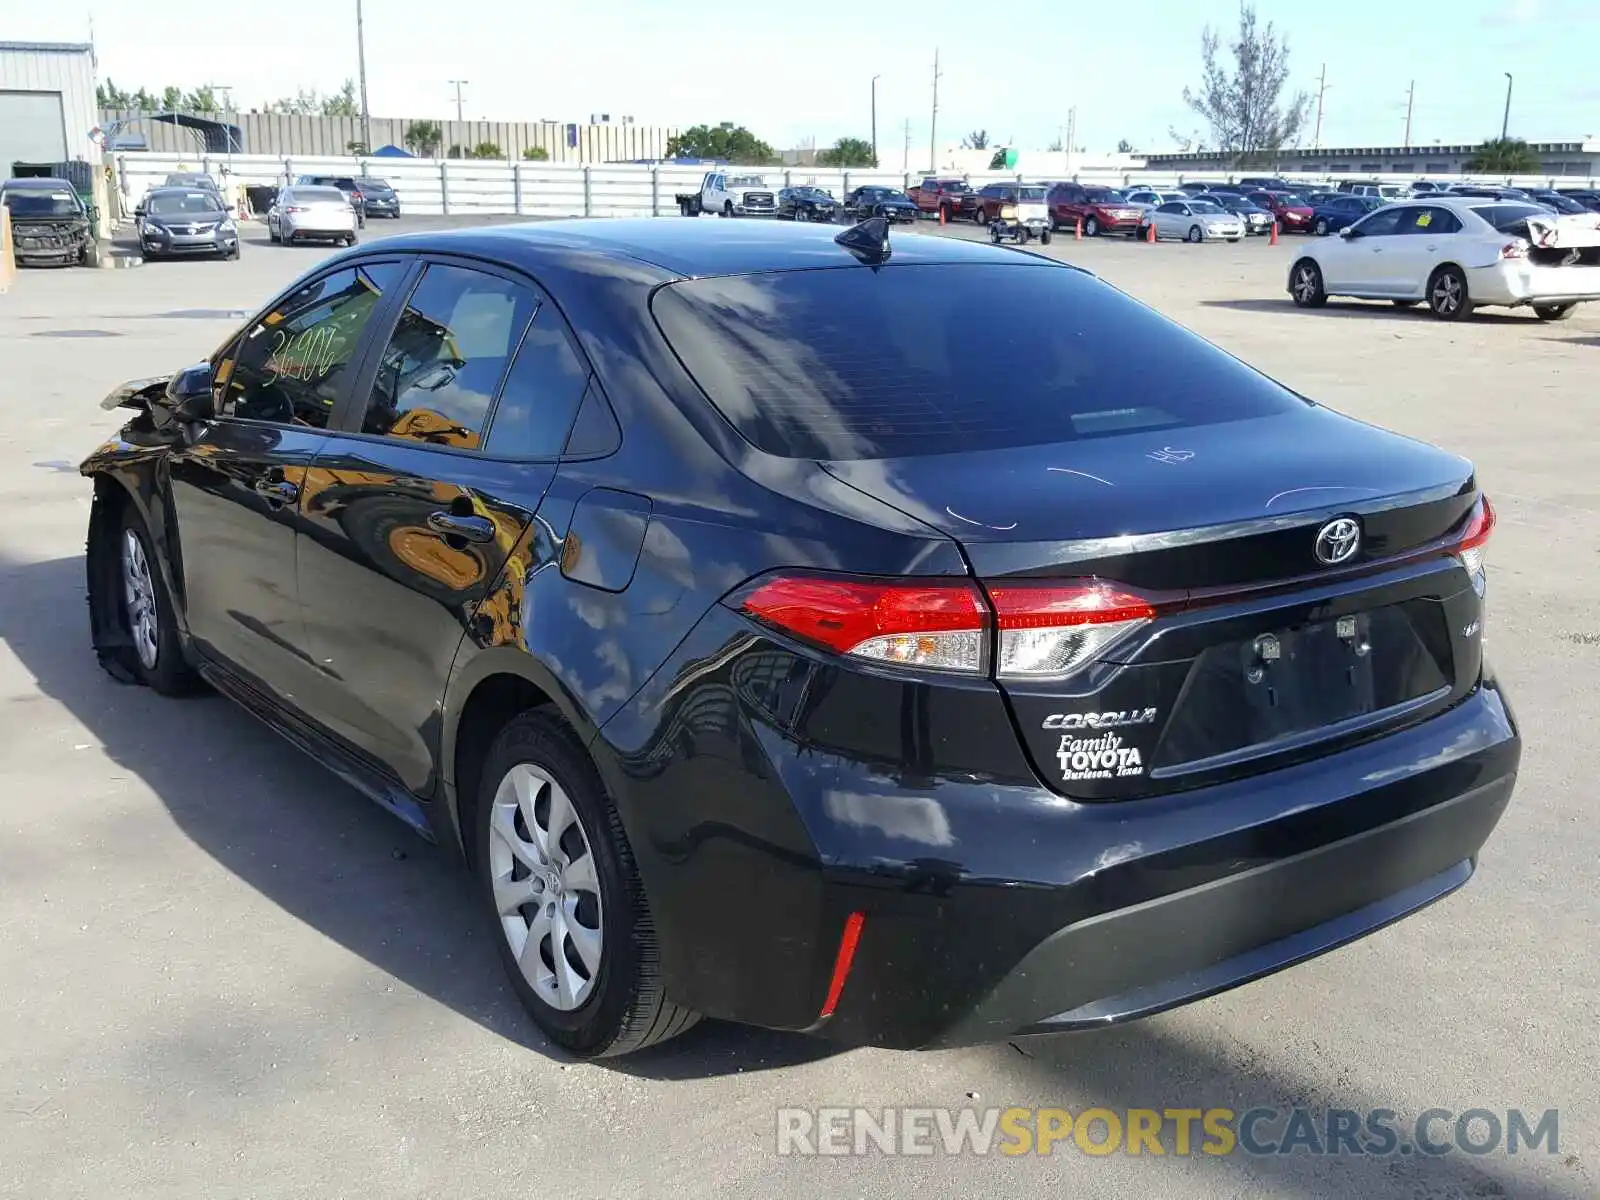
(933, 124)
(1072, 135)
(905, 162)
(1322, 86)
(875, 79)
(1505, 122)
(361, 65)
(1411, 96)
(459, 84)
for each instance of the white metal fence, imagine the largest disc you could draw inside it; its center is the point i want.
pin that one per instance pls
(542, 189)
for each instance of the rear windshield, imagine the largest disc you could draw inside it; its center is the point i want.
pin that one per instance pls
(374, 185)
(849, 363)
(1033, 193)
(319, 195)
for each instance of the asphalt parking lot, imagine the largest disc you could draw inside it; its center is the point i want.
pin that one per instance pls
(226, 974)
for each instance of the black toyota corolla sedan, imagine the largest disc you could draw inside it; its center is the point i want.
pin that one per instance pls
(911, 643)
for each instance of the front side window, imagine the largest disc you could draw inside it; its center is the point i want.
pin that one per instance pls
(1383, 223)
(444, 361)
(290, 366)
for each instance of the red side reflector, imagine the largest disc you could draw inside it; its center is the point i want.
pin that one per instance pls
(843, 613)
(841, 963)
(1479, 526)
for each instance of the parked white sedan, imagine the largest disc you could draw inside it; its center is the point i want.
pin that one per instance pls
(1193, 221)
(1455, 253)
(302, 213)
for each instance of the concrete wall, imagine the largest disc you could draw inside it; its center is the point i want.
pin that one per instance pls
(64, 69)
(273, 133)
(432, 186)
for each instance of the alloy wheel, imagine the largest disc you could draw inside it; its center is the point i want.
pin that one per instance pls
(1446, 294)
(1306, 284)
(546, 888)
(139, 600)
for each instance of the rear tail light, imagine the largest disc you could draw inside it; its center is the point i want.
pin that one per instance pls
(1474, 536)
(1043, 630)
(933, 624)
(1053, 629)
(296, 208)
(1516, 249)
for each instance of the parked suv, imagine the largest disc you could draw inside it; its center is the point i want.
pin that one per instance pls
(1099, 208)
(986, 204)
(950, 198)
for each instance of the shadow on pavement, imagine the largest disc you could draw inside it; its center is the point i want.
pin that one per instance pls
(1361, 309)
(1149, 1065)
(306, 841)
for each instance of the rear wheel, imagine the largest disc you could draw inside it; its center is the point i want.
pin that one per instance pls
(994, 234)
(1553, 312)
(1305, 285)
(557, 874)
(1447, 294)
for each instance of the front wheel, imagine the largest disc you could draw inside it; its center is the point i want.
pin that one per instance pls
(1553, 312)
(727, 209)
(994, 234)
(1321, 227)
(1091, 228)
(1196, 234)
(558, 878)
(146, 614)
(801, 214)
(1447, 294)
(1044, 237)
(1305, 285)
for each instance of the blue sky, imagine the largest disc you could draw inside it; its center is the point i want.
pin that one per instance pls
(791, 76)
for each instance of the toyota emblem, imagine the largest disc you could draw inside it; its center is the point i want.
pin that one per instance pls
(1338, 541)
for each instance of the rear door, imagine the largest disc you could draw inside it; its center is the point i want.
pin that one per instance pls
(436, 466)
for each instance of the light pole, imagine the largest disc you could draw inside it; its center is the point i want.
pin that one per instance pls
(875, 79)
(1505, 121)
(459, 84)
(361, 64)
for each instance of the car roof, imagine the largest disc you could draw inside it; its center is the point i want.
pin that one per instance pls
(40, 183)
(173, 187)
(690, 249)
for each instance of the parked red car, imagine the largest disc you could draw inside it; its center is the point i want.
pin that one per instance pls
(1291, 212)
(953, 197)
(1097, 207)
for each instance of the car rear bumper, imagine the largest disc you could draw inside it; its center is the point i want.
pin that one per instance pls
(1516, 283)
(992, 906)
(320, 229)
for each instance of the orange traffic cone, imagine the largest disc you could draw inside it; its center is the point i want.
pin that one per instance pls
(942, 213)
(1150, 233)
(1272, 238)
(1077, 230)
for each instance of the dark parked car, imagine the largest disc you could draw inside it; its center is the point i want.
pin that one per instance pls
(347, 185)
(807, 204)
(178, 222)
(1563, 205)
(1587, 197)
(693, 583)
(49, 224)
(378, 198)
(1257, 220)
(1195, 188)
(1334, 214)
(880, 202)
(1289, 209)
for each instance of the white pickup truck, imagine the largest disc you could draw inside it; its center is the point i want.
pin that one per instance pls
(730, 193)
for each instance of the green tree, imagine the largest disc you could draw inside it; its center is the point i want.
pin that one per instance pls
(109, 95)
(1249, 114)
(486, 150)
(1056, 146)
(978, 139)
(357, 148)
(201, 100)
(303, 103)
(998, 162)
(342, 103)
(423, 137)
(736, 144)
(1125, 147)
(1505, 156)
(848, 152)
(171, 98)
(536, 154)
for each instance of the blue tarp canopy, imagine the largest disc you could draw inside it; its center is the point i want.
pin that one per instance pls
(392, 152)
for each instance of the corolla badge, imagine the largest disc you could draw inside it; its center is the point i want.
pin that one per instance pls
(1338, 541)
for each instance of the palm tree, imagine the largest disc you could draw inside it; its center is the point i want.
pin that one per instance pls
(423, 137)
(1505, 156)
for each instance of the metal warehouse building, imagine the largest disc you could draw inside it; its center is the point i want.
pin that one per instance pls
(47, 103)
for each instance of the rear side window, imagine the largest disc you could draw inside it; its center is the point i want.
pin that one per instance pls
(848, 363)
(541, 392)
(1510, 217)
(444, 361)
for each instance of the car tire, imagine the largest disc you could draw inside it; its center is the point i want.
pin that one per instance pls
(1195, 234)
(994, 234)
(1305, 284)
(1447, 294)
(350, 239)
(1321, 227)
(1553, 312)
(579, 867)
(272, 235)
(727, 209)
(144, 609)
(1091, 228)
(800, 214)
(1044, 237)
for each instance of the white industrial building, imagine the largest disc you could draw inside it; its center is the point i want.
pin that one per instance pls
(47, 103)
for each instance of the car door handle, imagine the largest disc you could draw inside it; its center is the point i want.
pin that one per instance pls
(471, 529)
(277, 491)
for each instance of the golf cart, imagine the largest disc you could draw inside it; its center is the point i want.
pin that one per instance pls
(1026, 217)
